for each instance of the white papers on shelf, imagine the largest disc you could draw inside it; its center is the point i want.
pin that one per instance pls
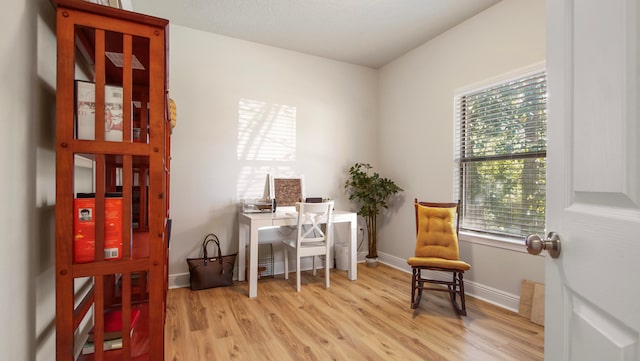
(85, 111)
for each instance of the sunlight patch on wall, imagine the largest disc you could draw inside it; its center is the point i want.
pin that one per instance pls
(266, 145)
(266, 131)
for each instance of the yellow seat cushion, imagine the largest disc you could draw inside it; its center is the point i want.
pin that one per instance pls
(436, 236)
(438, 263)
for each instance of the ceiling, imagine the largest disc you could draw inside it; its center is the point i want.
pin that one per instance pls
(365, 32)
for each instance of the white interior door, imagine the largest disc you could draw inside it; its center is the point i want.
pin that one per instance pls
(592, 305)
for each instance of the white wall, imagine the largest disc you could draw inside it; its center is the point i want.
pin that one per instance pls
(27, 186)
(416, 131)
(336, 113)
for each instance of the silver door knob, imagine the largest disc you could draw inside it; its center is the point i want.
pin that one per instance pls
(535, 244)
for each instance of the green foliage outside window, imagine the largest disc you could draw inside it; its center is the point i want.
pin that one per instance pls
(501, 157)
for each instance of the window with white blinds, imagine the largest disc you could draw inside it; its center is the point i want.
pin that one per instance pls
(501, 149)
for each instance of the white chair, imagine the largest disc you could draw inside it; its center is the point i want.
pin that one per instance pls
(310, 239)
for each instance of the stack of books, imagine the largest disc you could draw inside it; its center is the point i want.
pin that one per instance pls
(112, 331)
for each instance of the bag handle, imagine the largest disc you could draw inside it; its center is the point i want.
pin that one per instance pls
(211, 238)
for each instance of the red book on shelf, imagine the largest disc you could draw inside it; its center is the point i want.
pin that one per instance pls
(113, 324)
(84, 232)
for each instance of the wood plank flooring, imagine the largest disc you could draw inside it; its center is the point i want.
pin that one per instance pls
(367, 319)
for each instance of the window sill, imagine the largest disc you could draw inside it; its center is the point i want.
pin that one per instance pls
(511, 244)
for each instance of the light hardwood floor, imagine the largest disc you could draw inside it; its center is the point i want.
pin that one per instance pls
(367, 319)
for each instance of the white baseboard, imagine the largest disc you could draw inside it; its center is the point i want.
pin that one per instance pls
(179, 280)
(488, 294)
(492, 295)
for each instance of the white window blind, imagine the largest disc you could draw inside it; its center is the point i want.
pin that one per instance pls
(501, 146)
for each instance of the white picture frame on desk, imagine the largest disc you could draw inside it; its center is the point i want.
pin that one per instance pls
(286, 190)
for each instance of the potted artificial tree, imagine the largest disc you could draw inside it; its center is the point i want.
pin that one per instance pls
(371, 192)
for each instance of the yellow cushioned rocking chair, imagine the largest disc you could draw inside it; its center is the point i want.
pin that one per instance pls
(437, 226)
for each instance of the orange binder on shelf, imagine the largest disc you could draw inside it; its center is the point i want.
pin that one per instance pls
(84, 228)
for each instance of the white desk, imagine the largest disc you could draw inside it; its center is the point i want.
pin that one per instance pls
(249, 225)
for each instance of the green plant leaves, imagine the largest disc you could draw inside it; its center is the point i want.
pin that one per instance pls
(371, 191)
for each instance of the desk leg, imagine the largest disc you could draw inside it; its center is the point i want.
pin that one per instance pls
(243, 237)
(253, 262)
(353, 248)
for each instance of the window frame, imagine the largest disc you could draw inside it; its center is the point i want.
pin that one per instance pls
(490, 239)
